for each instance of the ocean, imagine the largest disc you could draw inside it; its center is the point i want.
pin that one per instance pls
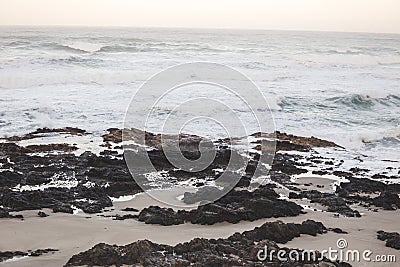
(344, 87)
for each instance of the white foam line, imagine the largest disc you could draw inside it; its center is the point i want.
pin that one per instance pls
(283, 196)
(15, 258)
(76, 210)
(82, 142)
(308, 207)
(124, 198)
(56, 182)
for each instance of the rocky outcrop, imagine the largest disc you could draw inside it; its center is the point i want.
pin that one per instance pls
(162, 216)
(7, 255)
(236, 250)
(87, 181)
(114, 135)
(388, 197)
(358, 185)
(305, 141)
(130, 209)
(392, 239)
(50, 147)
(281, 232)
(289, 142)
(4, 213)
(387, 200)
(43, 131)
(89, 199)
(42, 214)
(206, 193)
(63, 209)
(235, 206)
(287, 164)
(84, 181)
(337, 230)
(331, 201)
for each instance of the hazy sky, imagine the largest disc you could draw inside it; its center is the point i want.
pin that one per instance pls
(326, 15)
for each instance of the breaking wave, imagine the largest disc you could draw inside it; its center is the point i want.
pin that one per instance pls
(365, 101)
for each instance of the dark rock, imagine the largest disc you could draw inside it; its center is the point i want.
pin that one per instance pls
(320, 172)
(358, 170)
(388, 193)
(92, 208)
(392, 239)
(233, 207)
(338, 231)
(63, 209)
(7, 255)
(90, 199)
(42, 214)
(130, 209)
(140, 252)
(334, 203)
(109, 173)
(358, 185)
(162, 216)
(289, 146)
(5, 214)
(40, 252)
(105, 176)
(381, 176)
(10, 179)
(282, 232)
(387, 200)
(244, 182)
(305, 141)
(114, 135)
(343, 174)
(109, 153)
(206, 193)
(287, 164)
(393, 242)
(50, 147)
(236, 250)
(41, 131)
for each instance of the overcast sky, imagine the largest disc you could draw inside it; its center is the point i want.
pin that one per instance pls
(321, 15)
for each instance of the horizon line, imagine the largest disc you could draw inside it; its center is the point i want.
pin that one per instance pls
(191, 28)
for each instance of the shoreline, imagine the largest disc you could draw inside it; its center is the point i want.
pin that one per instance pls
(326, 187)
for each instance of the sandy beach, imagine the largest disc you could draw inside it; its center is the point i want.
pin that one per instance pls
(72, 234)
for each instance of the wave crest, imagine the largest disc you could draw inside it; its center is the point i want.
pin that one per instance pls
(365, 101)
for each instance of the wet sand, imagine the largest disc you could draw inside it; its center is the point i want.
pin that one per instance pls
(72, 234)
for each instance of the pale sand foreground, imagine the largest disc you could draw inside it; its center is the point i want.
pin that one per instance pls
(72, 234)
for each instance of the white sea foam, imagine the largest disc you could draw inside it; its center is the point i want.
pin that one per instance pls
(123, 198)
(86, 47)
(14, 259)
(57, 181)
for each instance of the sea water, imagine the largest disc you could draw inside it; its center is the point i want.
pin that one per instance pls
(343, 87)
